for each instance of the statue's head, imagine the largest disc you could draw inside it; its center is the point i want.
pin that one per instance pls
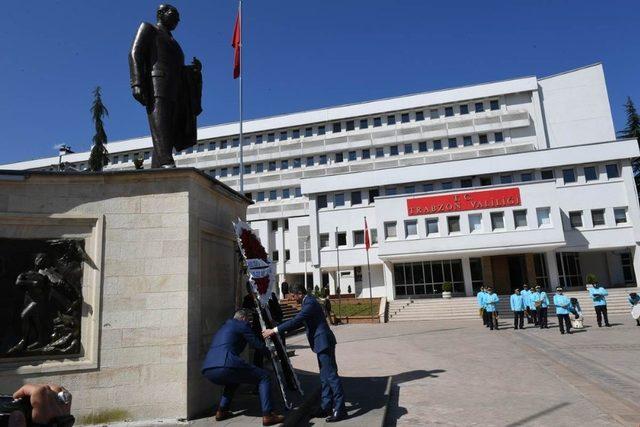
(168, 16)
(41, 260)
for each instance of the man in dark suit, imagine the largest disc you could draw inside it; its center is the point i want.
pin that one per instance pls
(224, 366)
(170, 91)
(323, 343)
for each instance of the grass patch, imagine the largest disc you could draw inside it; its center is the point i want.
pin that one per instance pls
(105, 417)
(346, 309)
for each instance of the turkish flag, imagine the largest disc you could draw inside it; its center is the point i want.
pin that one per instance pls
(236, 43)
(367, 243)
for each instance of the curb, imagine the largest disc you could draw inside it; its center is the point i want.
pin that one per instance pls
(387, 393)
(302, 411)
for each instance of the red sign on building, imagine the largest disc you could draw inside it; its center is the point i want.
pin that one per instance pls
(469, 201)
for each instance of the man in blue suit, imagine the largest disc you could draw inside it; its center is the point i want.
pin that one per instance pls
(517, 306)
(323, 343)
(224, 366)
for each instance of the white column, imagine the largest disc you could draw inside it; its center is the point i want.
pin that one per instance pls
(636, 264)
(387, 273)
(552, 267)
(466, 274)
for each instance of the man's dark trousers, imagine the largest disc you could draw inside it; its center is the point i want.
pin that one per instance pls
(231, 378)
(486, 318)
(331, 386)
(518, 319)
(564, 321)
(542, 317)
(601, 311)
(534, 316)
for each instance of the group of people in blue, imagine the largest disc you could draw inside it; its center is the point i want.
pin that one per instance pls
(224, 366)
(534, 305)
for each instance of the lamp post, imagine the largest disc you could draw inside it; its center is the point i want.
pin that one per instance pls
(338, 289)
(63, 150)
(306, 288)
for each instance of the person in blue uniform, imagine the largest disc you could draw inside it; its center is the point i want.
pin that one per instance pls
(598, 296)
(490, 302)
(533, 295)
(517, 306)
(480, 298)
(224, 366)
(526, 299)
(541, 297)
(563, 308)
(634, 299)
(323, 343)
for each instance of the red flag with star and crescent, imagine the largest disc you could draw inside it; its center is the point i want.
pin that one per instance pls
(236, 43)
(367, 242)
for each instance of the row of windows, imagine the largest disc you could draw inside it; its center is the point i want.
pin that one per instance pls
(598, 217)
(591, 173)
(357, 238)
(271, 195)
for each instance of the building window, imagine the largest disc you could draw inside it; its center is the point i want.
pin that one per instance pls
(223, 144)
(390, 230)
(541, 270)
(321, 201)
(356, 198)
(448, 111)
(497, 221)
(352, 156)
(247, 169)
(427, 187)
(568, 175)
(419, 116)
(485, 180)
(453, 143)
(324, 240)
(612, 171)
(409, 189)
(479, 107)
(464, 109)
(494, 105)
(390, 191)
(448, 185)
(379, 152)
(235, 142)
(590, 173)
(223, 172)
(115, 160)
(393, 150)
(260, 197)
(309, 161)
(627, 268)
(322, 160)
(434, 114)
(453, 224)
(520, 218)
(527, 176)
(373, 193)
(575, 219)
(482, 139)
(298, 192)
(422, 146)
(259, 167)
(620, 215)
(286, 224)
(337, 127)
(366, 154)
(283, 136)
(475, 223)
(295, 134)
(377, 122)
(339, 157)
(338, 199)
(391, 120)
(411, 228)
(569, 271)
(466, 141)
(404, 118)
(308, 132)
(322, 130)
(350, 125)
(212, 172)
(271, 137)
(212, 146)
(125, 158)
(597, 216)
(506, 179)
(498, 137)
(547, 174)
(341, 238)
(374, 236)
(287, 255)
(466, 183)
(432, 226)
(437, 145)
(297, 162)
(358, 237)
(408, 148)
(284, 165)
(275, 256)
(272, 166)
(274, 225)
(427, 277)
(273, 195)
(544, 218)
(286, 193)
(235, 171)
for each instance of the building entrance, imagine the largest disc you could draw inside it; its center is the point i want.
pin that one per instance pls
(509, 273)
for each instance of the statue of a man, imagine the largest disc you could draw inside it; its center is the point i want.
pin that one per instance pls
(170, 91)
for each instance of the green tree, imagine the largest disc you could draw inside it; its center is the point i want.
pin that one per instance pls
(632, 129)
(98, 158)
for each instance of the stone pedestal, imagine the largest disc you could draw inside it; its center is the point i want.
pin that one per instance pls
(162, 277)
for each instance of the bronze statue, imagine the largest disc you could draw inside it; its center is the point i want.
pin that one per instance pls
(170, 90)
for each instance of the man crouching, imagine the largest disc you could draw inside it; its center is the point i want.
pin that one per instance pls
(224, 366)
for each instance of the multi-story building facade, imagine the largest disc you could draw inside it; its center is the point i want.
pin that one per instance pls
(501, 183)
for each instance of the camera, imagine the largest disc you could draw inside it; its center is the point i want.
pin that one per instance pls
(8, 405)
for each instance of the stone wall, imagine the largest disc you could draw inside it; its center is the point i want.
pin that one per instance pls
(166, 278)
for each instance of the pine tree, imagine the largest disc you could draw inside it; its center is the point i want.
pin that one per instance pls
(98, 157)
(632, 130)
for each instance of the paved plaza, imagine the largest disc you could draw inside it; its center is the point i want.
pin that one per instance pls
(459, 373)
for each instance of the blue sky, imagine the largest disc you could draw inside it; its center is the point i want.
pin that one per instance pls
(299, 55)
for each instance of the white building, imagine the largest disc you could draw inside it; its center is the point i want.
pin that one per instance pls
(500, 183)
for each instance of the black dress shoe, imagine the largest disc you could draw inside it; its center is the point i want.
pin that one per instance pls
(322, 413)
(336, 416)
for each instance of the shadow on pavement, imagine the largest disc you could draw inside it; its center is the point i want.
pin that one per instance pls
(539, 414)
(394, 410)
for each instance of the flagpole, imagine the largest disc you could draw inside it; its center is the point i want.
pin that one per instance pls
(369, 273)
(338, 290)
(240, 90)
